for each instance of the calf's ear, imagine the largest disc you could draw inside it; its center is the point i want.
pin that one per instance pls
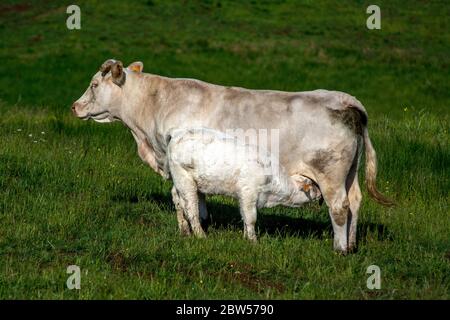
(302, 182)
(136, 66)
(306, 187)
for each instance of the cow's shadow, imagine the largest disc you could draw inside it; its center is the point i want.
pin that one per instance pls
(227, 216)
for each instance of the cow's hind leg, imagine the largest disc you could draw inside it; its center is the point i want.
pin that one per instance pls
(354, 197)
(338, 208)
(332, 172)
(334, 193)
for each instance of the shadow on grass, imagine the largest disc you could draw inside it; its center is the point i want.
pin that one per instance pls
(225, 216)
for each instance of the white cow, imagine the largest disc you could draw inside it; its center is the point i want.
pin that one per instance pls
(322, 133)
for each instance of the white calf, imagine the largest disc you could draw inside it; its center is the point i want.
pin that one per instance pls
(205, 161)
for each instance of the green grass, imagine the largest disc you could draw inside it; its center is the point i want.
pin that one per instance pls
(76, 192)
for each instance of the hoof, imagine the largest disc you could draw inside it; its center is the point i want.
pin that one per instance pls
(341, 251)
(185, 231)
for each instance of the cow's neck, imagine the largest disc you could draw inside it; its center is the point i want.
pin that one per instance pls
(140, 108)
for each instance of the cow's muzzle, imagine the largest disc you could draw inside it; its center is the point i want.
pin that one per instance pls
(77, 107)
(74, 108)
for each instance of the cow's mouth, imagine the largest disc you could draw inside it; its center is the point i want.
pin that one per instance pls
(100, 117)
(86, 117)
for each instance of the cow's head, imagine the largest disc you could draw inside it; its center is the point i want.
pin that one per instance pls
(103, 98)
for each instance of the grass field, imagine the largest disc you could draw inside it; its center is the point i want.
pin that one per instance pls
(74, 192)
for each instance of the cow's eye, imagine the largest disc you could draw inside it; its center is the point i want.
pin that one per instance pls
(94, 85)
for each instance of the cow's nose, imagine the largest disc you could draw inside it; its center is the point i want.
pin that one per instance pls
(74, 105)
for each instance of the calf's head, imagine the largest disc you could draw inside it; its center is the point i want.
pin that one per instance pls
(308, 190)
(103, 99)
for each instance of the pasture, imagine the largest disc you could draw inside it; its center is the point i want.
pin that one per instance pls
(76, 193)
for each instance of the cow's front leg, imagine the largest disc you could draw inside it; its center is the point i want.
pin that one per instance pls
(204, 217)
(183, 224)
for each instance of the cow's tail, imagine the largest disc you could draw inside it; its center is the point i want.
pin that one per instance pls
(371, 167)
(371, 156)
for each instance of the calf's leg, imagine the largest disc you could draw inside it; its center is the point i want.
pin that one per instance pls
(187, 191)
(248, 213)
(183, 224)
(192, 212)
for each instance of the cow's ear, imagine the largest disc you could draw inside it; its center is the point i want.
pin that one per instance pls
(106, 66)
(136, 66)
(117, 73)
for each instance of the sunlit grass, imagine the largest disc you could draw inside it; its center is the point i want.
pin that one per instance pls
(74, 192)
